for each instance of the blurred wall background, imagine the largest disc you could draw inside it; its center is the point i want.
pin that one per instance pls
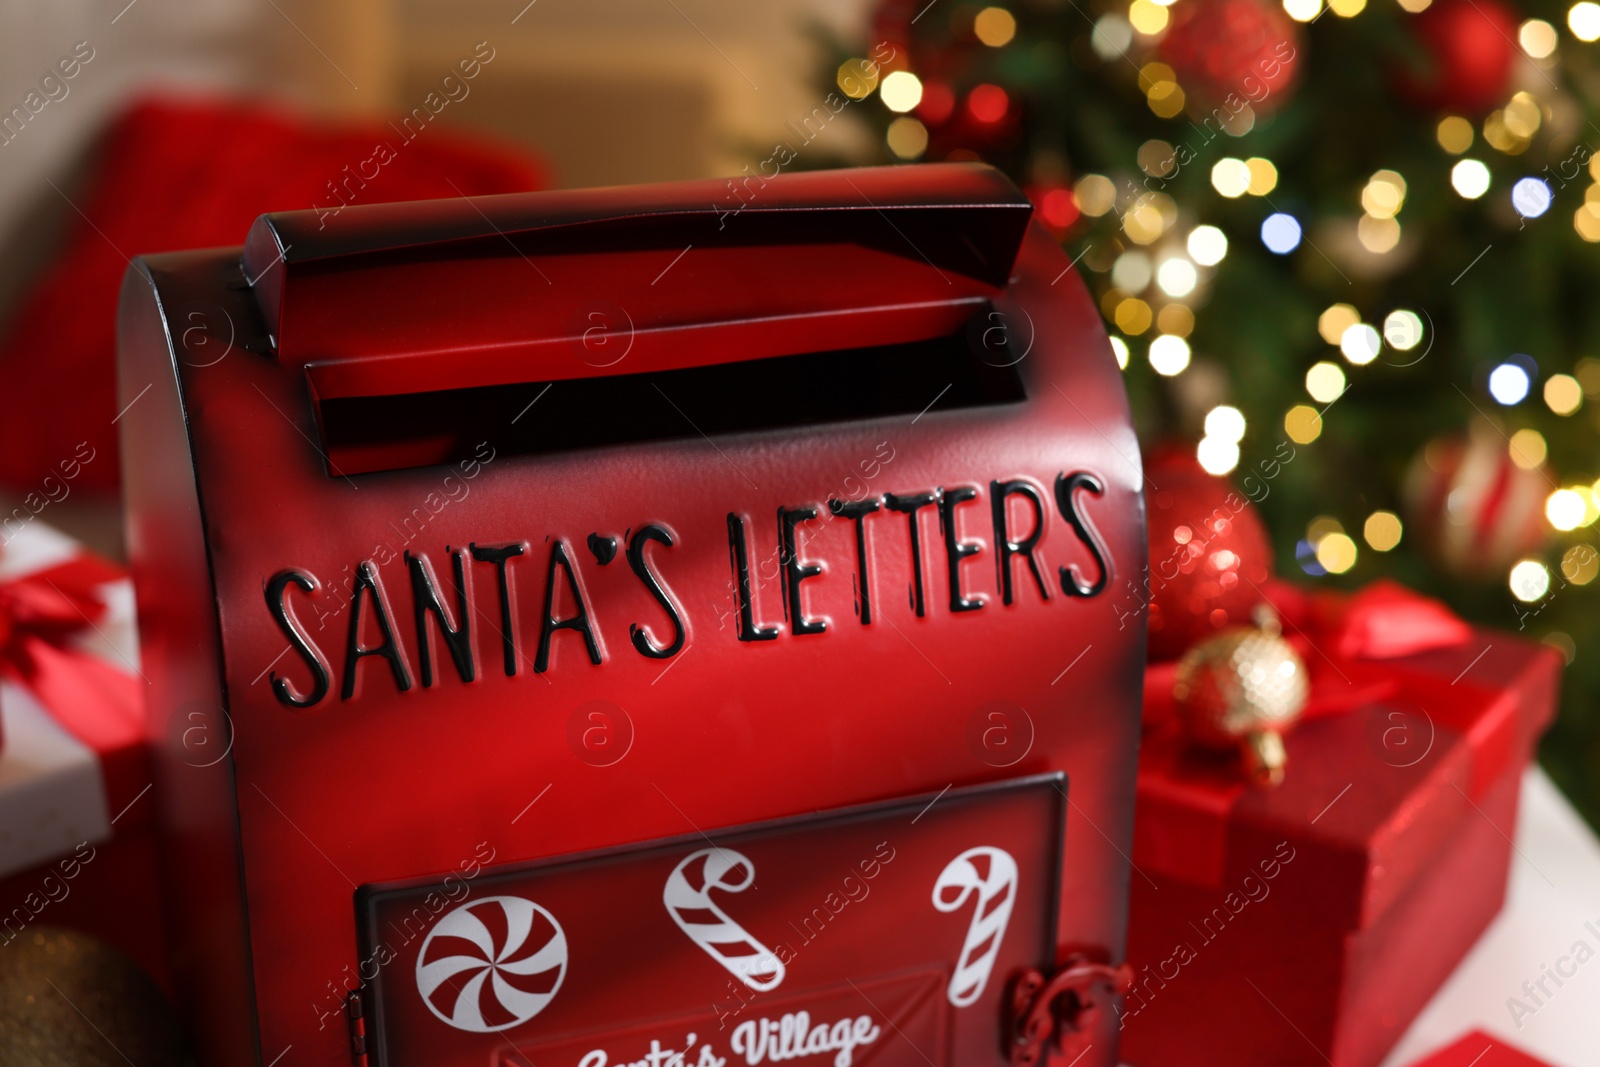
(605, 91)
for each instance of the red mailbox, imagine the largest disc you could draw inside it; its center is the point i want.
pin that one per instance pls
(658, 626)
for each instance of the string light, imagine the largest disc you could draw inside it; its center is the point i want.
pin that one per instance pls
(994, 26)
(1133, 317)
(1537, 38)
(1562, 394)
(1175, 319)
(1263, 176)
(1360, 344)
(902, 91)
(1132, 272)
(1217, 456)
(1280, 233)
(1531, 197)
(1336, 553)
(1508, 384)
(1580, 564)
(1207, 245)
(1303, 424)
(1584, 21)
(1095, 195)
(1402, 330)
(988, 103)
(1527, 449)
(907, 137)
(1169, 355)
(1112, 36)
(1382, 530)
(1470, 178)
(1384, 194)
(1177, 277)
(1455, 134)
(1148, 18)
(1586, 220)
(1378, 235)
(1334, 321)
(1226, 423)
(1302, 10)
(1325, 382)
(1564, 509)
(1231, 177)
(1529, 580)
(857, 78)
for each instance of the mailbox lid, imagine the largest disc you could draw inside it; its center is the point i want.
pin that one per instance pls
(886, 700)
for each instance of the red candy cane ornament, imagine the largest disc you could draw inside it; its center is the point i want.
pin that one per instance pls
(687, 897)
(990, 873)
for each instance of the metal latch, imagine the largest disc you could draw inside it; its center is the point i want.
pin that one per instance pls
(1062, 1008)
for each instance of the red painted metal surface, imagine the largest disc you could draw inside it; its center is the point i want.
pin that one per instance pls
(837, 529)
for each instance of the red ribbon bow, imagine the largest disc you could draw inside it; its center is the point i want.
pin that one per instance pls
(41, 615)
(1343, 640)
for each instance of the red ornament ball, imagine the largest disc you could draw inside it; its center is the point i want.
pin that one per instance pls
(1467, 56)
(1233, 52)
(1209, 551)
(1475, 510)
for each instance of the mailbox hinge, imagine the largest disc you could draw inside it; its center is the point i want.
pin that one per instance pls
(1061, 1008)
(356, 1017)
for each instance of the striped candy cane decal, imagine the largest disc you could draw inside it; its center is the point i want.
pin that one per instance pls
(991, 873)
(687, 897)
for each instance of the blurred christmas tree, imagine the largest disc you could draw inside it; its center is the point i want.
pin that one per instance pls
(1367, 230)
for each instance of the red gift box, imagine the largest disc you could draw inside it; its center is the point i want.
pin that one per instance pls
(1315, 920)
(77, 844)
(1478, 1049)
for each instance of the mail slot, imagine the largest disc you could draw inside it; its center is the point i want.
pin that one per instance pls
(668, 625)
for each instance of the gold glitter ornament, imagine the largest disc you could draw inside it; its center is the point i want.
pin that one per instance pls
(1241, 689)
(69, 1000)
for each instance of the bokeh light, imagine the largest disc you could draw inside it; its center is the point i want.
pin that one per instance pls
(1537, 38)
(1303, 424)
(1528, 449)
(907, 137)
(1280, 233)
(1217, 455)
(1360, 344)
(1531, 197)
(902, 91)
(1402, 329)
(1562, 394)
(1177, 277)
(1382, 530)
(994, 26)
(1225, 422)
(1169, 355)
(1207, 245)
(1325, 382)
(1529, 580)
(1508, 384)
(1470, 178)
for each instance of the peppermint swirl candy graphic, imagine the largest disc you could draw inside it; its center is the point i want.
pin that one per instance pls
(492, 964)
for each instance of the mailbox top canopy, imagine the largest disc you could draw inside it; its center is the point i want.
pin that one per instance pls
(421, 299)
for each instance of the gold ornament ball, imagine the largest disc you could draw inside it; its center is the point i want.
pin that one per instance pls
(1240, 689)
(69, 1000)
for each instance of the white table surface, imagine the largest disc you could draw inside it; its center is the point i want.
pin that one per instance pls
(1554, 892)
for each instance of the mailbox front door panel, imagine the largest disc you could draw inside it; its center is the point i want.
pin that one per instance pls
(813, 557)
(889, 935)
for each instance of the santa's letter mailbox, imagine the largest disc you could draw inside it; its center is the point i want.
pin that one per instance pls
(669, 626)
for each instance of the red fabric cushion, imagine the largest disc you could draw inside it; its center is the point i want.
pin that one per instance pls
(185, 174)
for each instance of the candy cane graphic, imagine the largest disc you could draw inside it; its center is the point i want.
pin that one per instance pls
(991, 873)
(687, 897)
